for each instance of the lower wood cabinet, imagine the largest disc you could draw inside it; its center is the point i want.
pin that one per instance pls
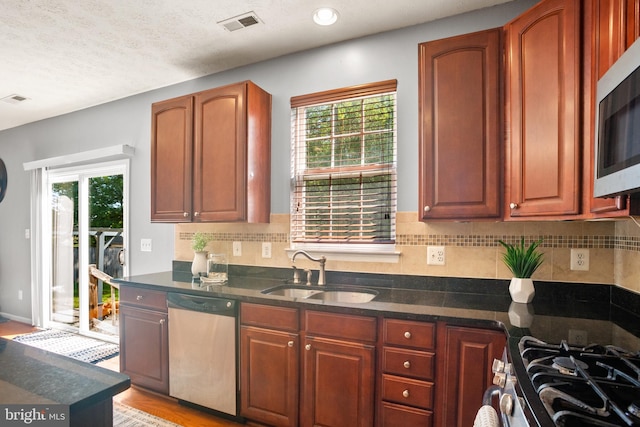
(338, 370)
(313, 368)
(269, 366)
(144, 346)
(464, 371)
(406, 381)
(329, 381)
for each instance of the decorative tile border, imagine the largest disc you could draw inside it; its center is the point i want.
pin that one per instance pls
(460, 240)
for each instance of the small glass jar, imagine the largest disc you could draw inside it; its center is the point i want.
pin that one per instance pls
(217, 268)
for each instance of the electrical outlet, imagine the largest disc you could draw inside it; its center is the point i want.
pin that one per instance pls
(578, 337)
(435, 255)
(237, 248)
(580, 259)
(145, 245)
(266, 249)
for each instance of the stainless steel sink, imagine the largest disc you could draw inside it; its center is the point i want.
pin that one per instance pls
(293, 292)
(360, 296)
(344, 294)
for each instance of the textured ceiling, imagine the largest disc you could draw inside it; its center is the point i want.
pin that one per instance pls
(66, 55)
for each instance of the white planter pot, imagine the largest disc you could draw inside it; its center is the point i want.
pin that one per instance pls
(522, 290)
(199, 264)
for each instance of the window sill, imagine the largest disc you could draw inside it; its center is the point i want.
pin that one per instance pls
(359, 254)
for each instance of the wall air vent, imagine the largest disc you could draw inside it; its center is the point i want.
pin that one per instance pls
(14, 99)
(241, 21)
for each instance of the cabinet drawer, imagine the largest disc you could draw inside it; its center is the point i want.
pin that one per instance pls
(342, 326)
(283, 318)
(411, 363)
(407, 391)
(393, 415)
(141, 297)
(408, 333)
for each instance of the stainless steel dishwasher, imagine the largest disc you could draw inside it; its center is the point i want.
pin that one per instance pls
(202, 351)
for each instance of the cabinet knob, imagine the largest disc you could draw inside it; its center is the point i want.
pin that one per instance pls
(185, 214)
(513, 205)
(427, 208)
(407, 335)
(139, 298)
(162, 321)
(405, 393)
(290, 343)
(196, 214)
(307, 347)
(406, 364)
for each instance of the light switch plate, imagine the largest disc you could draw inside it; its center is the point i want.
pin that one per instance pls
(145, 245)
(266, 249)
(237, 248)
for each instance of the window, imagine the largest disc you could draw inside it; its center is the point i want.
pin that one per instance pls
(344, 166)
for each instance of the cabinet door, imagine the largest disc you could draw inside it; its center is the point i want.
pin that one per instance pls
(220, 154)
(144, 348)
(269, 376)
(468, 354)
(171, 160)
(337, 384)
(460, 131)
(543, 111)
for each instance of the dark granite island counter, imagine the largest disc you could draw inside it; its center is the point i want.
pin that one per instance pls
(54, 390)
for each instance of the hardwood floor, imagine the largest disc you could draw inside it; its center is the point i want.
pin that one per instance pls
(139, 398)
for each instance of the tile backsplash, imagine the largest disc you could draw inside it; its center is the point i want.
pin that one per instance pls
(471, 248)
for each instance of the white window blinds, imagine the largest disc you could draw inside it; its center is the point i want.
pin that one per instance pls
(344, 165)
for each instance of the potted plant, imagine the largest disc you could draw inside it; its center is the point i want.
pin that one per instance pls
(523, 261)
(198, 243)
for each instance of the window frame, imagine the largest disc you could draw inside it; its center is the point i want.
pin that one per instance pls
(346, 251)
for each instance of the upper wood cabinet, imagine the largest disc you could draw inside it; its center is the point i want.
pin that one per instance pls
(211, 156)
(543, 150)
(460, 127)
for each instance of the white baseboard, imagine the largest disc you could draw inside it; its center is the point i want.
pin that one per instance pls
(26, 320)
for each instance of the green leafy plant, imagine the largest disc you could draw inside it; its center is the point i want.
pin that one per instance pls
(199, 241)
(521, 260)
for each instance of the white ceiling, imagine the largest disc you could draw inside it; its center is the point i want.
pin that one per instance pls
(66, 55)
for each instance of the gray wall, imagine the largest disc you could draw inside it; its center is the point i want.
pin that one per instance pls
(391, 55)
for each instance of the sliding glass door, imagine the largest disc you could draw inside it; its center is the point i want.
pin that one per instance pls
(86, 229)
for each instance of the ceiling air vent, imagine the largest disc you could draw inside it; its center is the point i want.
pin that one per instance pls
(241, 21)
(14, 99)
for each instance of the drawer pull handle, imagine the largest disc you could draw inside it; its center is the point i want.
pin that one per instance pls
(139, 298)
(405, 393)
(161, 322)
(196, 214)
(307, 347)
(290, 343)
(406, 364)
(407, 335)
(185, 214)
(513, 205)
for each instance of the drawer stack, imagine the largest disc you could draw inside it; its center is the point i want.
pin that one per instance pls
(408, 372)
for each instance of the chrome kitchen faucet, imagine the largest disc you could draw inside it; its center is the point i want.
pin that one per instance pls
(321, 276)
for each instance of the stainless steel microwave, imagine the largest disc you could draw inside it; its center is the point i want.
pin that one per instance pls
(617, 137)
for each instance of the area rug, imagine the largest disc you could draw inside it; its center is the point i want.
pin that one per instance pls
(70, 344)
(126, 416)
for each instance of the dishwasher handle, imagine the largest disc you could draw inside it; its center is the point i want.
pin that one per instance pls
(220, 306)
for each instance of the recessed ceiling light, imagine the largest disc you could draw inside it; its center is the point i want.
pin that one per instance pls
(325, 16)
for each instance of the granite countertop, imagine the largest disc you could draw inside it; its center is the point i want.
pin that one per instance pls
(30, 375)
(560, 311)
